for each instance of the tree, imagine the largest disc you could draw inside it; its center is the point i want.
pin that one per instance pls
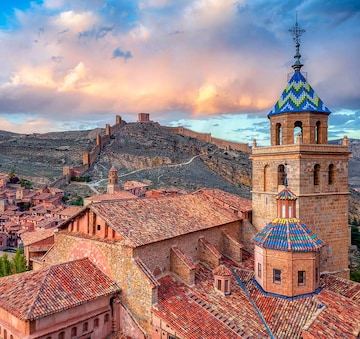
(355, 236)
(79, 201)
(5, 266)
(18, 262)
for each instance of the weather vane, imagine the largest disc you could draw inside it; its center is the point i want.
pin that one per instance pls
(296, 32)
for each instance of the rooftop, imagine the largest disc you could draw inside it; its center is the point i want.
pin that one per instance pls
(288, 235)
(199, 311)
(298, 96)
(36, 294)
(145, 221)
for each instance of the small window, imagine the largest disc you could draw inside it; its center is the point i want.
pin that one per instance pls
(61, 335)
(331, 174)
(301, 278)
(226, 286)
(317, 174)
(278, 134)
(266, 177)
(11, 336)
(98, 227)
(259, 270)
(5, 334)
(219, 285)
(277, 276)
(73, 331)
(96, 322)
(106, 318)
(85, 327)
(171, 336)
(317, 274)
(281, 175)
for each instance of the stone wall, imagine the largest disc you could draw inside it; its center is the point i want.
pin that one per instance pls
(90, 157)
(225, 144)
(156, 256)
(323, 206)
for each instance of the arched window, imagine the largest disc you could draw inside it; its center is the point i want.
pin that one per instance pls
(278, 135)
(85, 327)
(96, 322)
(266, 178)
(281, 175)
(73, 331)
(317, 132)
(106, 318)
(61, 335)
(5, 334)
(331, 174)
(298, 130)
(317, 174)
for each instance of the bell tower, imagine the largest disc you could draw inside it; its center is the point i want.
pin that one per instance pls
(113, 181)
(317, 171)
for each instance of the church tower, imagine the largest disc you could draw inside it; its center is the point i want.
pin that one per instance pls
(317, 171)
(113, 181)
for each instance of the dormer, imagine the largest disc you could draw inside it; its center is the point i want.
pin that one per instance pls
(222, 279)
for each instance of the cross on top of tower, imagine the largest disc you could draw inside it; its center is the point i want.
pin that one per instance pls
(296, 32)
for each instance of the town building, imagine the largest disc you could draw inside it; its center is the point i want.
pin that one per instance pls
(207, 264)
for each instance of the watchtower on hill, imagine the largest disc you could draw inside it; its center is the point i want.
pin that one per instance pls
(317, 172)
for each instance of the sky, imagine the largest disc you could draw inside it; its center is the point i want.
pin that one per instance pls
(215, 66)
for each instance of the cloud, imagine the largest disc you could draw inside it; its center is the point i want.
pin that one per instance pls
(118, 53)
(190, 59)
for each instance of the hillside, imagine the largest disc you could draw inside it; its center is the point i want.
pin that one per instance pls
(143, 152)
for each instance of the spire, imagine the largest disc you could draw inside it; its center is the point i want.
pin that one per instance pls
(296, 33)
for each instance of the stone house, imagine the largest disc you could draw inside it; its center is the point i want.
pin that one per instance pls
(67, 300)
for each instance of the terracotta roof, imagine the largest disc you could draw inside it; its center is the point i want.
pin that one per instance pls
(69, 211)
(222, 271)
(145, 221)
(199, 311)
(232, 200)
(285, 316)
(29, 238)
(344, 287)
(117, 195)
(339, 317)
(288, 235)
(36, 294)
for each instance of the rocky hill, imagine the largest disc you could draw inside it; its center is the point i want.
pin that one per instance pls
(143, 152)
(146, 152)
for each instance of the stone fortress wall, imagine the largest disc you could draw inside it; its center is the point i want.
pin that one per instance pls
(103, 139)
(221, 143)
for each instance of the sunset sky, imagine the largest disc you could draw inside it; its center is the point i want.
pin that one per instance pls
(214, 66)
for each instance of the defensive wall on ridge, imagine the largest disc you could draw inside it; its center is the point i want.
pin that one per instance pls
(221, 143)
(103, 139)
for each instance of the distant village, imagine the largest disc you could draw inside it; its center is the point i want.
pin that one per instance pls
(29, 217)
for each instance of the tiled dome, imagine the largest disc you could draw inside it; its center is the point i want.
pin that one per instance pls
(298, 96)
(288, 235)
